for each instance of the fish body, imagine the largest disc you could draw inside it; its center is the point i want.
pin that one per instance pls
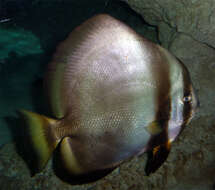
(114, 95)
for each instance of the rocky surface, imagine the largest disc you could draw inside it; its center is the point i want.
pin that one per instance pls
(193, 17)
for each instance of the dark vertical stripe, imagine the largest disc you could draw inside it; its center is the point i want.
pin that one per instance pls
(161, 72)
(163, 98)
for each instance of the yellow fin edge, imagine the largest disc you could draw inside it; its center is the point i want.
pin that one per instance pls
(41, 132)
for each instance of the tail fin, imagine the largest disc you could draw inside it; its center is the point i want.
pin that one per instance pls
(42, 136)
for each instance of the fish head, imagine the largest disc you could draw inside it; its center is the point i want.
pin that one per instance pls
(178, 108)
(184, 105)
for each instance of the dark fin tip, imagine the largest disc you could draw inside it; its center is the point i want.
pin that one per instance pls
(156, 159)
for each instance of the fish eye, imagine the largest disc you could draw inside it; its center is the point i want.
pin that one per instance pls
(187, 99)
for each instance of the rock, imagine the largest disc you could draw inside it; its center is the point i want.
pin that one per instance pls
(192, 17)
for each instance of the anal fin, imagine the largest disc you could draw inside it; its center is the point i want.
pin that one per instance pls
(68, 158)
(73, 171)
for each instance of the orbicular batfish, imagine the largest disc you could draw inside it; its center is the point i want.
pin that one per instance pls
(113, 95)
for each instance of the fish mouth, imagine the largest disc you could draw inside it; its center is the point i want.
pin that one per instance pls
(178, 127)
(173, 133)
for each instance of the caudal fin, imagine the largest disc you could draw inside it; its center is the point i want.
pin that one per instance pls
(42, 136)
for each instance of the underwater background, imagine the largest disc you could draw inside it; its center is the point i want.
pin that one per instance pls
(29, 34)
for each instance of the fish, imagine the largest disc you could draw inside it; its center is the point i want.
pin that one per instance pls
(113, 95)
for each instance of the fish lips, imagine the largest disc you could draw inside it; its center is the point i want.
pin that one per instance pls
(174, 132)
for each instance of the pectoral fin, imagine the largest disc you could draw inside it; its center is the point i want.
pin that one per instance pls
(156, 157)
(154, 128)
